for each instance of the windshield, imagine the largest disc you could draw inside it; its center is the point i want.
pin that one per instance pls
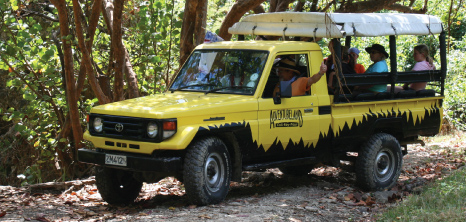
(221, 71)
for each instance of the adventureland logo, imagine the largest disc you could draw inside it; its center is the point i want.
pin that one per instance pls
(286, 118)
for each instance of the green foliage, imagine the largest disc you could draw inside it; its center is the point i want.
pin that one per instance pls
(153, 42)
(455, 85)
(441, 201)
(35, 73)
(151, 35)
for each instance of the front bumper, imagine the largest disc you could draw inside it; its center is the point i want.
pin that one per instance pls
(135, 162)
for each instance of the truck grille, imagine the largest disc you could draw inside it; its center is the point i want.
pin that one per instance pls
(120, 127)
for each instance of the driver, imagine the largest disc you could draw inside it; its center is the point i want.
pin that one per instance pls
(287, 71)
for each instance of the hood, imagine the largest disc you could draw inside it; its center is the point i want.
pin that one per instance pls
(178, 104)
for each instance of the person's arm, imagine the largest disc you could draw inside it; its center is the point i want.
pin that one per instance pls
(316, 77)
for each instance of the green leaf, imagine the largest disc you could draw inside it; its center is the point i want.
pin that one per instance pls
(20, 43)
(9, 83)
(14, 5)
(11, 20)
(48, 54)
(10, 51)
(155, 59)
(20, 128)
(178, 24)
(29, 97)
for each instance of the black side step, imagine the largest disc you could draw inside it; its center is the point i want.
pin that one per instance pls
(281, 163)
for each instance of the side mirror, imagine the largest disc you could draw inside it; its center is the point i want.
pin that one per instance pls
(285, 92)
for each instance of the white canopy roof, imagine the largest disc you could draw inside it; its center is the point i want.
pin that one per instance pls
(336, 25)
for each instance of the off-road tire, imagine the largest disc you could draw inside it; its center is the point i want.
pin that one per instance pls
(207, 171)
(297, 170)
(117, 187)
(379, 162)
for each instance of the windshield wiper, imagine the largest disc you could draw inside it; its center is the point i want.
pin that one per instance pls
(227, 87)
(184, 87)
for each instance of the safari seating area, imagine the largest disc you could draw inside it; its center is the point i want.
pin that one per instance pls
(433, 77)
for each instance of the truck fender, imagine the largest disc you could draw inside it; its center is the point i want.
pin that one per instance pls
(393, 126)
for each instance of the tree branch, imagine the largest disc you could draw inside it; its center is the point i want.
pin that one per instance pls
(119, 52)
(234, 15)
(31, 13)
(365, 6)
(406, 9)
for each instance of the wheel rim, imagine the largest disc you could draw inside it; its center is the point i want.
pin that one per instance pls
(384, 165)
(214, 172)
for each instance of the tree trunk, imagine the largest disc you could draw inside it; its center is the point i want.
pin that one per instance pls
(258, 10)
(200, 25)
(93, 21)
(187, 30)
(234, 15)
(131, 77)
(119, 53)
(70, 81)
(283, 5)
(85, 55)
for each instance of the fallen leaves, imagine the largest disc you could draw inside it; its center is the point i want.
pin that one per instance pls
(335, 191)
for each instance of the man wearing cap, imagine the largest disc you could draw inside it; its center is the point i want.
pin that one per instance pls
(287, 71)
(359, 68)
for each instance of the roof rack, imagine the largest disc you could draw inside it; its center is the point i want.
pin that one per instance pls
(336, 25)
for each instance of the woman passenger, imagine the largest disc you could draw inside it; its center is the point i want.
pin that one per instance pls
(378, 55)
(423, 62)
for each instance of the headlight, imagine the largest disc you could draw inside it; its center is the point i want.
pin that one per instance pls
(98, 124)
(152, 130)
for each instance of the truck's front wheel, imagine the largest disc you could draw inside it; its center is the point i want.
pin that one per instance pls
(207, 171)
(379, 162)
(117, 187)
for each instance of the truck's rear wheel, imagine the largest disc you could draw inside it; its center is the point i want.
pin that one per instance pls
(379, 162)
(117, 187)
(207, 171)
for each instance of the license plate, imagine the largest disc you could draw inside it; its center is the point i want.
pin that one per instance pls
(115, 160)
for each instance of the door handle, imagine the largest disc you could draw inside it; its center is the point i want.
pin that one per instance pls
(310, 110)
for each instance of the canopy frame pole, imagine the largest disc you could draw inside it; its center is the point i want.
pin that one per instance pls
(443, 60)
(348, 42)
(337, 67)
(393, 65)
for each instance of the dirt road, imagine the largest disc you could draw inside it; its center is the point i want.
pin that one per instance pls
(327, 194)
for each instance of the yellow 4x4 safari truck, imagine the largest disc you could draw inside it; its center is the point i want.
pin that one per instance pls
(220, 116)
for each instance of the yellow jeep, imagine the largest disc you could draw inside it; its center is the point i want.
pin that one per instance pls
(220, 116)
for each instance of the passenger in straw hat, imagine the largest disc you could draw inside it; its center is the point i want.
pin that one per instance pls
(287, 71)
